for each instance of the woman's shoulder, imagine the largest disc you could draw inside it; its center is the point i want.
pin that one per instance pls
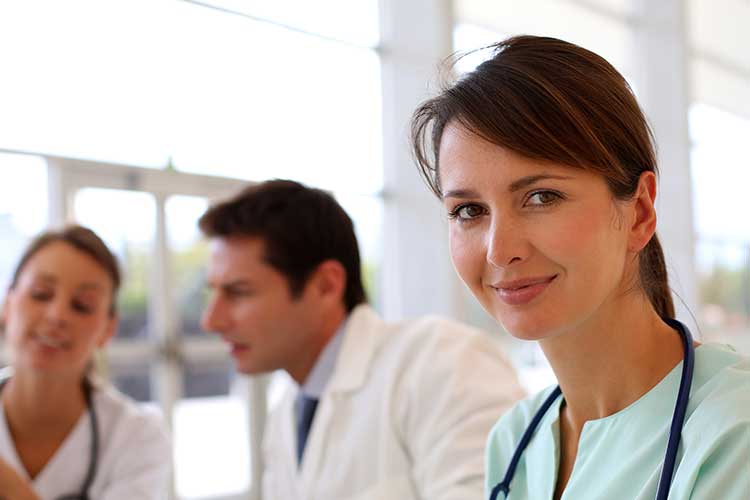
(712, 358)
(124, 419)
(136, 450)
(720, 399)
(716, 435)
(721, 388)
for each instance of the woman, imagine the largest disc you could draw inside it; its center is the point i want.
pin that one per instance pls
(546, 167)
(62, 434)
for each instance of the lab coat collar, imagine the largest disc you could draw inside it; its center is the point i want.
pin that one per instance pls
(364, 329)
(324, 366)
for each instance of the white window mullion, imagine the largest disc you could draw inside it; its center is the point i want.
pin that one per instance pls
(162, 318)
(58, 208)
(415, 36)
(664, 91)
(168, 368)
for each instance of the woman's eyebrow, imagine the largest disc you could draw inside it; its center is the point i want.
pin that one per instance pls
(89, 286)
(45, 277)
(514, 186)
(533, 179)
(461, 193)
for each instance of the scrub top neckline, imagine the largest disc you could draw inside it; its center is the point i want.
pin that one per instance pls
(660, 386)
(665, 384)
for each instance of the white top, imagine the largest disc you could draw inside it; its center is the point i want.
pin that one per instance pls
(134, 453)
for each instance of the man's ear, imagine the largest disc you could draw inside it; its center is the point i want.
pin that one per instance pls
(329, 280)
(643, 223)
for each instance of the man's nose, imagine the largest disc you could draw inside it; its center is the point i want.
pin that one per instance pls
(210, 319)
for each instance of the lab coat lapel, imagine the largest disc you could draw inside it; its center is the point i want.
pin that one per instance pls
(288, 434)
(363, 332)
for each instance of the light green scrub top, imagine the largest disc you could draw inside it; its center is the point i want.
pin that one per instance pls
(620, 456)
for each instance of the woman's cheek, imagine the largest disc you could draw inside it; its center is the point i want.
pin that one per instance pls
(467, 256)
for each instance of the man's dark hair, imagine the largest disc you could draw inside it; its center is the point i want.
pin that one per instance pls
(300, 228)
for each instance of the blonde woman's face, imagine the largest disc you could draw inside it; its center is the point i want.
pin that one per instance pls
(544, 247)
(58, 313)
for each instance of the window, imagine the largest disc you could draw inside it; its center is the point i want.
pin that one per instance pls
(197, 89)
(23, 207)
(144, 112)
(723, 235)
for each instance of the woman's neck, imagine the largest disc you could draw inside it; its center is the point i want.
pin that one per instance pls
(36, 402)
(613, 358)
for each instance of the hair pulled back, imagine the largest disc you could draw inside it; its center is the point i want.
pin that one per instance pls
(551, 100)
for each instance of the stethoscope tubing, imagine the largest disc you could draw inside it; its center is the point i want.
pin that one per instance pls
(675, 431)
(680, 410)
(504, 485)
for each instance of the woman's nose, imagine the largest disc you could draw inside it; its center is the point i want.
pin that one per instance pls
(506, 244)
(58, 311)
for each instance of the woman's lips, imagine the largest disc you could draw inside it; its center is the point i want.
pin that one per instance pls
(520, 292)
(51, 343)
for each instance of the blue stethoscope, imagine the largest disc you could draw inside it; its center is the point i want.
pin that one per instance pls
(675, 431)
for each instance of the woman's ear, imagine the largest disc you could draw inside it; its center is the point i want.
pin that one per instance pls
(109, 332)
(643, 224)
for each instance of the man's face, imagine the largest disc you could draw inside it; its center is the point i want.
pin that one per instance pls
(253, 310)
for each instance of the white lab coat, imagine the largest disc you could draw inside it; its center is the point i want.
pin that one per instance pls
(134, 453)
(404, 416)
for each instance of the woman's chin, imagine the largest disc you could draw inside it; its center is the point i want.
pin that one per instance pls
(526, 327)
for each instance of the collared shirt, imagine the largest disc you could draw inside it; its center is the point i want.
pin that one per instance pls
(323, 369)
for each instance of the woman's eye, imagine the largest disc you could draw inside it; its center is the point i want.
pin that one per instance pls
(541, 198)
(82, 307)
(466, 212)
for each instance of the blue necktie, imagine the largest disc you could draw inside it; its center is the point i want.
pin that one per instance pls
(306, 407)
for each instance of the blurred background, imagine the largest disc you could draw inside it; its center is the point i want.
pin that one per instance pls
(132, 116)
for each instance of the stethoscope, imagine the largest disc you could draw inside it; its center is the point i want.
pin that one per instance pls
(94, 451)
(675, 431)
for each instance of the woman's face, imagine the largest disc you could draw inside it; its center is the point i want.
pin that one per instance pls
(542, 246)
(58, 313)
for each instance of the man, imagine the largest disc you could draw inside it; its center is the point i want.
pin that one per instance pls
(379, 411)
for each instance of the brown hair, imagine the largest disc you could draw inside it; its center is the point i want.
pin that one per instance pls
(551, 100)
(82, 239)
(300, 228)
